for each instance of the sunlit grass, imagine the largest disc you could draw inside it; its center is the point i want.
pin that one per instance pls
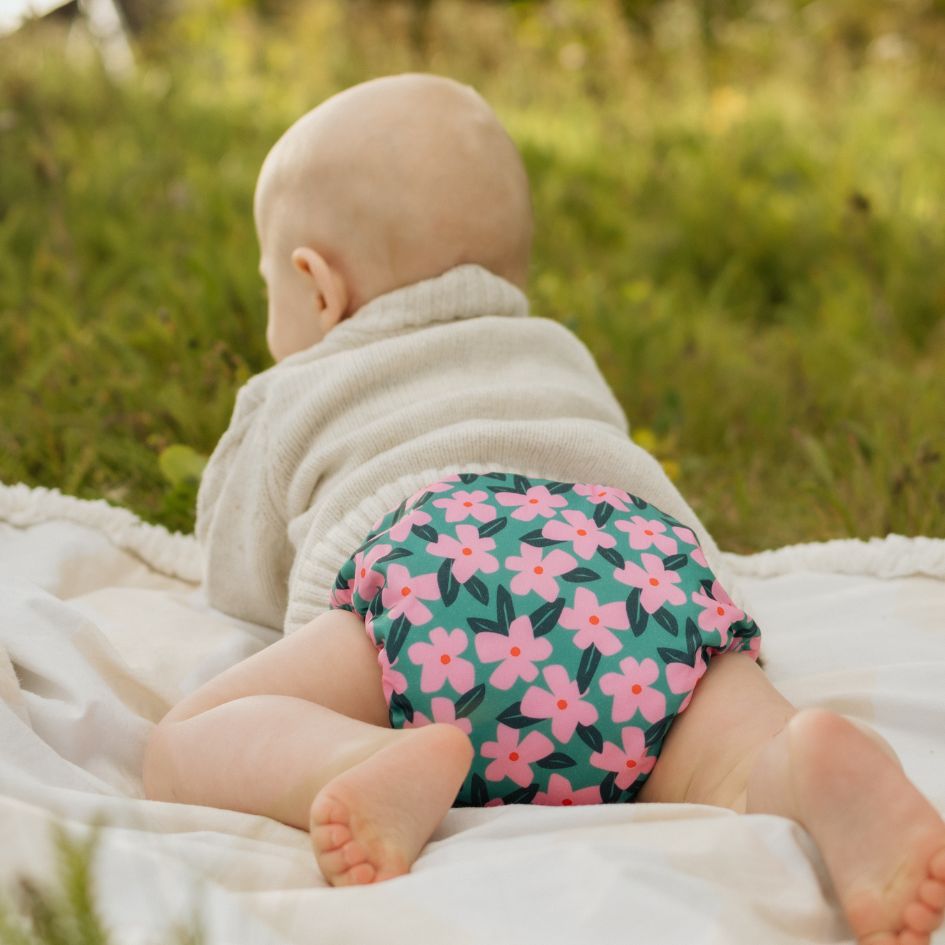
(747, 233)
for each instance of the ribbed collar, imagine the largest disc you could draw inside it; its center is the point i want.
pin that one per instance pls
(465, 291)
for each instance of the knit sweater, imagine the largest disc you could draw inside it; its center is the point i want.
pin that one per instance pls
(444, 376)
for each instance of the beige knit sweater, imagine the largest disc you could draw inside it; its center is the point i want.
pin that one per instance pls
(446, 375)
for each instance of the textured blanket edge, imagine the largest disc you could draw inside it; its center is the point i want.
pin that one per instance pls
(177, 555)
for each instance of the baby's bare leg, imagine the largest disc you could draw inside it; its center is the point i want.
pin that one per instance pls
(305, 718)
(741, 745)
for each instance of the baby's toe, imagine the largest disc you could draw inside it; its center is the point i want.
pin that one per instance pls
(912, 938)
(932, 893)
(359, 875)
(326, 809)
(937, 865)
(330, 837)
(920, 918)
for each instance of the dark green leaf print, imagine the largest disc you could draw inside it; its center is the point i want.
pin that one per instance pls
(396, 637)
(489, 529)
(467, 478)
(667, 621)
(478, 589)
(591, 737)
(445, 579)
(505, 610)
(556, 760)
(657, 731)
(611, 555)
(512, 716)
(560, 488)
(580, 576)
(394, 555)
(609, 792)
(637, 616)
(468, 702)
(425, 532)
(481, 625)
(538, 540)
(402, 704)
(602, 513)
(480, 793)
(590, 660)
(521, 484)
(638, 502)
(675, 562)
(546, 617)
(522, 795)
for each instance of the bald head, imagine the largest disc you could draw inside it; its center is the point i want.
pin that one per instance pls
(393, 181)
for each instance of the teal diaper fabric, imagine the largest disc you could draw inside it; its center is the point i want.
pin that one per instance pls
(562, 626)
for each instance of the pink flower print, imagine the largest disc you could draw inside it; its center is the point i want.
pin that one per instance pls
(392, 680)
(461, 504)
(470, 553)
(536, 501)
(561, 794)
(341, 596)
(518, 652)
(563, 704)
(720, 611)
(369, 627)
(594, 621)
(404, 593)
(514, 758)
(444, 711)
(441, 662)
(644, 533)
(537, 571)
(656, 583)
(610, 495)
(440, 486)
(401, 528)
(582, 531)
(631, 689)
(680, 677)
(367, 581)
(688, 536)
(627, 763)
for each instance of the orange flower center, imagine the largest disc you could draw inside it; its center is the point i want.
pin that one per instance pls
(562, 703)
(636, 689)
(467, 504)
(363, 571)
(720, 611)
(404, 591)
(515, 651)
(445, 658)
(581, 532)
(654, 582)
(539, 569)
(647, 531)
(513, 756)
(631, 763)
(533, 501)
(601, 494)
(567, 802)
(594, 620)
(467, 551)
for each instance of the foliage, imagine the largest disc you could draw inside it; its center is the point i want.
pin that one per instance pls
(64, 911)
(742, 223)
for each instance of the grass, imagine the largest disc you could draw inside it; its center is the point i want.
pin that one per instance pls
(744, 227)
(65, 910)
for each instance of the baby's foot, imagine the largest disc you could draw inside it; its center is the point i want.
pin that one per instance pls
(371, 822)
(882, 842)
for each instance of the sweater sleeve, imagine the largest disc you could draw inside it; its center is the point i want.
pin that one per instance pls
(240, 526)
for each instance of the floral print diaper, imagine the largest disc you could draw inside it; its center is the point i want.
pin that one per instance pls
(562, 626)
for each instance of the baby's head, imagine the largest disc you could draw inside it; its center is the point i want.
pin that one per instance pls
(387, 183)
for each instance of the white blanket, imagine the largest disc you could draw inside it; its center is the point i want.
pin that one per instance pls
(102, 628)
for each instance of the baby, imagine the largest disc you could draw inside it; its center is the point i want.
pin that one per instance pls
(490, 594)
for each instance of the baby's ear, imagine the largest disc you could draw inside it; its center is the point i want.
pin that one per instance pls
(328, 286)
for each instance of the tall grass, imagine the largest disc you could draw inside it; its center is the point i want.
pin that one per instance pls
(744, 226)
